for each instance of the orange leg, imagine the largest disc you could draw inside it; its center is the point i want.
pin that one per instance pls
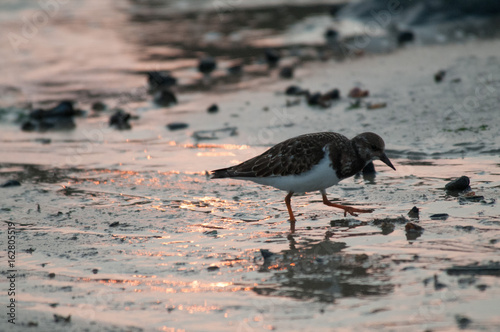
(290, 212)
(347, 209)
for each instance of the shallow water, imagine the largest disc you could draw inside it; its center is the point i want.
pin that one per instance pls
(123, 230)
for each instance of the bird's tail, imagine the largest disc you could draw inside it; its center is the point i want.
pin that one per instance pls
(220, 173)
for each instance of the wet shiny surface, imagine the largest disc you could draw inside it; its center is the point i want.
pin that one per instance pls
(123, 230)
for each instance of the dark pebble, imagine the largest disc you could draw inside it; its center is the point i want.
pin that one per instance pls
(462, 321)
(294, 90)
(286, 72)
(405, 37)
(52, 275)
(119, 120)
(266, 253)
(63, 109)
(333, 94)
(460, 184)
(411, 227)
(211, 233)
(437, 284)
(158, 80)
(98, 106)
(314, 99)
(272, 57)
(165, 98)
(472, 198)
(213, 268)
(358, 93)
(207, 65)
(369, 169)
(10, 183)
(439, 216)
(236, 69)
(439, 76)
(59, 318)
(94, 271)
(177, 125)
(414, 212)
(114, 224)
(213, 109)
(331, 35)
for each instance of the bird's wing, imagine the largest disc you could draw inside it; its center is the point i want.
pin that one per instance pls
(290, 157)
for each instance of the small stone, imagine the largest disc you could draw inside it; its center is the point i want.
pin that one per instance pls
(411, 227)
(213, 109)
(405, 37)
(333, 94)
(98, 106)
(460, 184)
(358, 93)
(294, 90)
(94, 271)
(62, 319)
(439, 76)
(414, 213)
(462, 321)
(212, 268)
(10, 183)
(52, 275)
(439, 216)
(266, 253)
(119, 120)
(286, 72)
(207, 65)
(114, 224)
(272, 57)
(177, 125)
(165, 98)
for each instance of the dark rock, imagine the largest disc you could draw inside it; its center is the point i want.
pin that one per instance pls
(119, 120)
(201, 135)
(439, 76)
(212, 268)
(165, 98)
(94, 271)
(114, 224)
(207, 65)
(158, 80)
(471, 198)
(463, 322)
(387, 228)
(465, 228)
(460, 184)
(213, 109)
(177, 125)
(333, 94)
(272, 57)
(210, 233)
(491, 269)
(59, 117)
(28, 126)
(411, 227)
(358, 93)
(63, 109)
(314, 99)
(236, 69)
(98, 106)
(369, 169)
(62, 319)
(266, 253)
(331, 36)
(286, 72)
(52, 275)
(437, 284)
(10, 183)
(294, 90)
(439, 216)
(414, 213)
(405, 37)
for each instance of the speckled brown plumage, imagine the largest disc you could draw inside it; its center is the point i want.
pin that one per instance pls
(298, 155)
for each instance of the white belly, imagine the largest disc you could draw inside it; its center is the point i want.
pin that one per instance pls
(319, 177)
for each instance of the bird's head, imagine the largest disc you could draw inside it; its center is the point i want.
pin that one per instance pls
(371, 146)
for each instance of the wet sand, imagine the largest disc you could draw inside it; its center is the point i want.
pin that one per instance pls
(132, 236)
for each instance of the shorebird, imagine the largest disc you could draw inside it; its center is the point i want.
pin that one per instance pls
(310, 162)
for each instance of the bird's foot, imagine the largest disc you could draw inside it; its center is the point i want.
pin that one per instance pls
(354, 211)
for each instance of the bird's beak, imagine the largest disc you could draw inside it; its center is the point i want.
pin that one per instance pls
(386, 161)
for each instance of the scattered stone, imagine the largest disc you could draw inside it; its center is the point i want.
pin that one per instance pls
(314, 99)
(201, 135)
(266, 253)
(439, 76)
(491, 269)
(411, 227)
(440, 216)
(399, 220)
(30, 250)
(212, 268)
(177, 125)
(114, 224)
(333, 94)
(471, 198)
(331, 36)
(164, 98)
(482, 287)
(10, 183)
(369, 169)
(57, 118)
(358, 93)
(437, 284)
(405, 37)
(63, 109)
(272, 57)
(463, 322)
(235, 69)
(460, 184)
(62, 319)
(414, 213)
(207, 65)
(287, 72)
(119, 120)
(158, 80)
(210, 233)
(52, 275)
(294, 90)
(94, 271)
(213, 109)
(98, 106)
(387, 228)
